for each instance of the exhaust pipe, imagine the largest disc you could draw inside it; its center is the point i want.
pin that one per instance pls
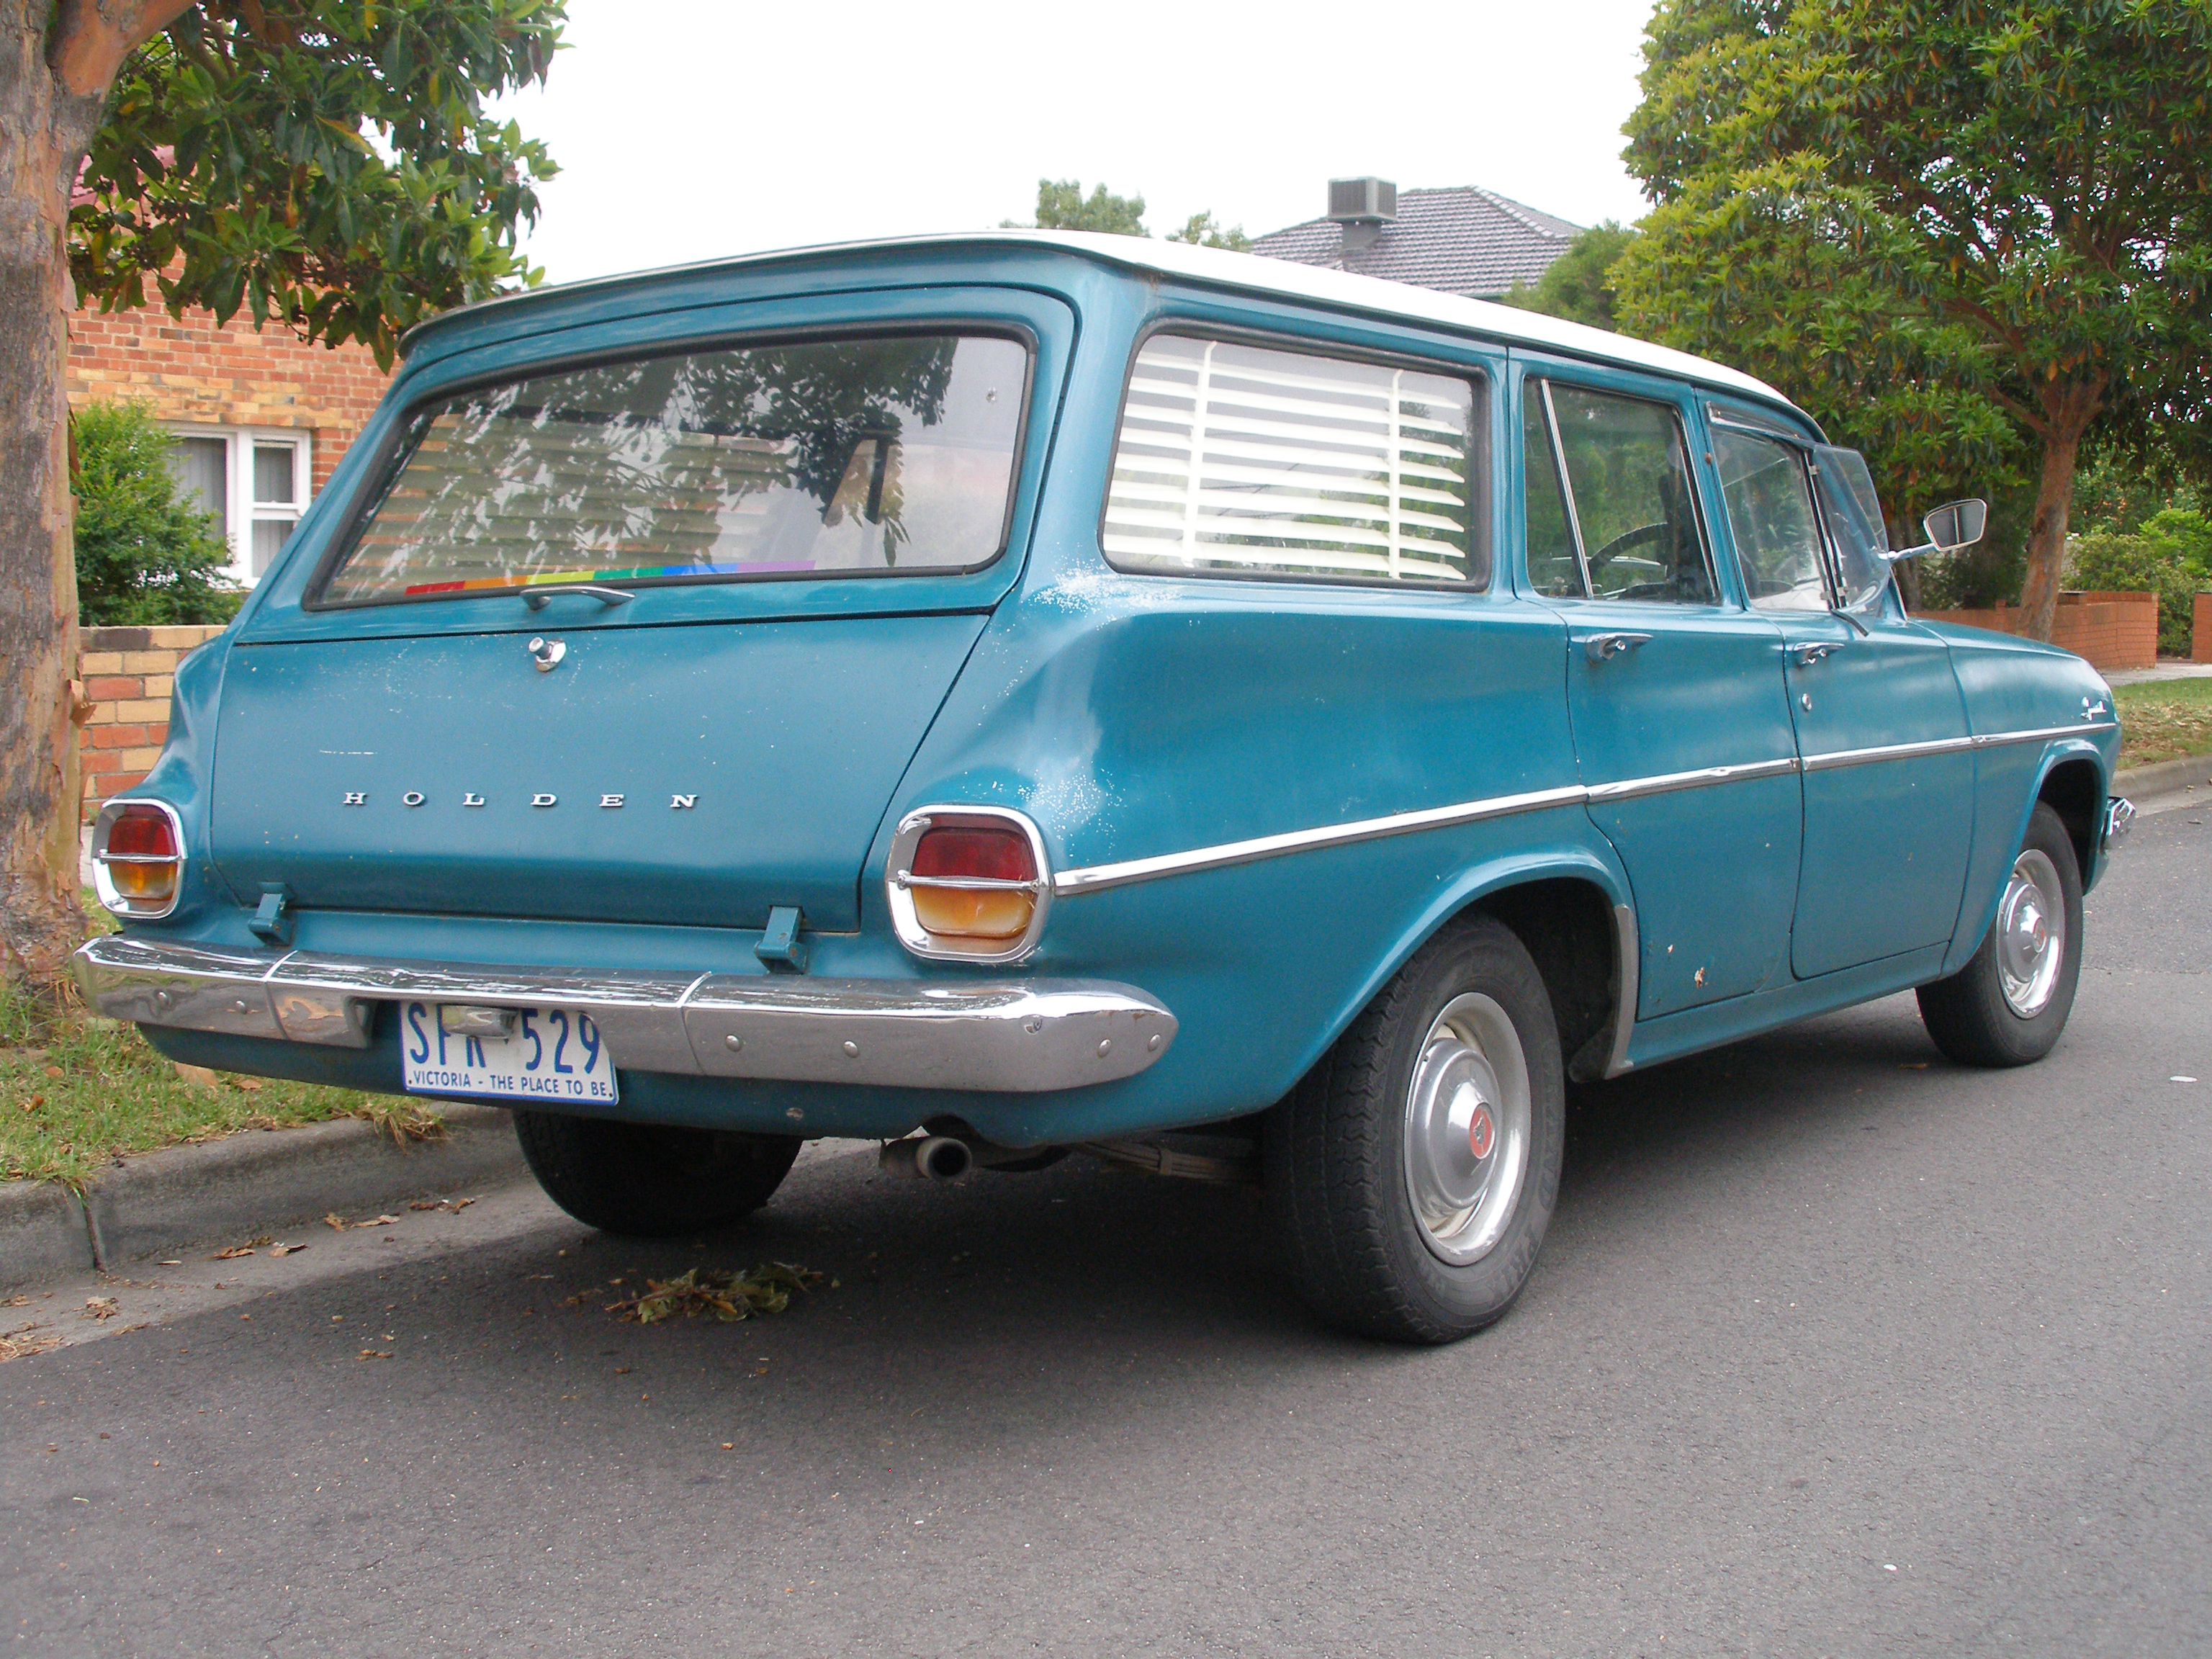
(931, 1158)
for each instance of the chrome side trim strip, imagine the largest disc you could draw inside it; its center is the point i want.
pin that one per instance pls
(1097, 877)
(1009, 1036)
(1666, 783)
(1887, 751)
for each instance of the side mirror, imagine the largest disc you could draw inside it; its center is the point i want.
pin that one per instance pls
(1955, 525)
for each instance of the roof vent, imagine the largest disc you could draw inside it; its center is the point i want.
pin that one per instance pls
(1363, 207)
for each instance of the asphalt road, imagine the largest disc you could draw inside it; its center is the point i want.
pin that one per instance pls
(1835, 1349)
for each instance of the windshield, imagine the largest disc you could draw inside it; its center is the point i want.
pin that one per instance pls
(850, 457)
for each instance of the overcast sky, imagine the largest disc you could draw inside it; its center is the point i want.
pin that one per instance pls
(690, 129)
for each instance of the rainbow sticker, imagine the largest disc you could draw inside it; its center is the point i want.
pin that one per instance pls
(626, 573)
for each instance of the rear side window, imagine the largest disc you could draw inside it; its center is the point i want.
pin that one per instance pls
(1238, 460)
(851, 457)
(1625, 476)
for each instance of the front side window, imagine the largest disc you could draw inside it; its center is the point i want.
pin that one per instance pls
(1626, 478)
(1854, 519)
(890, 456)
(1238, 460)
(1771, 520)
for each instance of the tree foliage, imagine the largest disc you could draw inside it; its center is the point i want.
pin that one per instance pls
(1061, 205)
(1578, 285)
(327, 165)
(142, 556)
(1964, 235)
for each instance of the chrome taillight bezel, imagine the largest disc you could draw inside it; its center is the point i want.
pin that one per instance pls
(899, 881)
(103, 826)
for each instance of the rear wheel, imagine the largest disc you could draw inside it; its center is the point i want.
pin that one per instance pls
(646, 1181)
(2007, 1005)
(1412, 1174)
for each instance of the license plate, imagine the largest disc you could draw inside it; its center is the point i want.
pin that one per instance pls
(551, 1055)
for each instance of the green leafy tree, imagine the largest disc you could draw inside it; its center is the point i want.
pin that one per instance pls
(1578, 284)
(1961, 234)
(1061, 205)
(142, 556)
(1201, 230)
(328, 166)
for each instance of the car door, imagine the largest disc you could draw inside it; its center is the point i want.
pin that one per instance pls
(1880, 725)
(1675, 690)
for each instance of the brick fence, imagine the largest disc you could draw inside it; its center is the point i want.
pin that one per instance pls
(2113, 630)
(126, 673)
(2200, 639)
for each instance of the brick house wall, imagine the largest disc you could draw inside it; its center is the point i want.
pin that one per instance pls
(127, 674)
(191, 371)
(2111, 630)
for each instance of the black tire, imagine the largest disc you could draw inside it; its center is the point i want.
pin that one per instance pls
(1969, 1014)
(646, 1181)
(1336, 1158)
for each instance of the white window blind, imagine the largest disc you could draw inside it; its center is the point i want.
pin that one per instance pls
(1239, 460)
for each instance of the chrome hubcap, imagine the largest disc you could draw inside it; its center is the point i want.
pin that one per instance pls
(2031, 934)
(1466, 1129)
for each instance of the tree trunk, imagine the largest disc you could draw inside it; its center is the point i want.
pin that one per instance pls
(2068, 410)
(43, 132)
(57, 59)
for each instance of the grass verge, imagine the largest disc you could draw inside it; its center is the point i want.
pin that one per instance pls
(77, 1091)
(2164, 720)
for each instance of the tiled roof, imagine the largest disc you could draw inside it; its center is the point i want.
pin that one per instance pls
(1464, 240)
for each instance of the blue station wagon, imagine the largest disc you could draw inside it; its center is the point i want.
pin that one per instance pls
(1008, 693)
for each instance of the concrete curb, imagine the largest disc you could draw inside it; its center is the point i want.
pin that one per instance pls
(42, 1233)
(161, 1202)
(2164, 778)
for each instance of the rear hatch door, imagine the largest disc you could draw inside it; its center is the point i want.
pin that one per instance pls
(640, 625)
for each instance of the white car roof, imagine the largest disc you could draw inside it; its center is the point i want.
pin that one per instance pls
(1252, 273)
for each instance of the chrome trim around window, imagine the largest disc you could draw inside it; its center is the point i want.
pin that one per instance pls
(899, 881)
(104, 886)
(998, 1037)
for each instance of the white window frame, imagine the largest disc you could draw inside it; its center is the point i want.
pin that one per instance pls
(240, 511)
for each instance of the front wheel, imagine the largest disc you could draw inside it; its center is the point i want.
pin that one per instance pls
(1413, 1173)
(2007, 1004)
(648, 1181)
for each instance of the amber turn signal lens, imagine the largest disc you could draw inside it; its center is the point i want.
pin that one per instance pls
(974, 853)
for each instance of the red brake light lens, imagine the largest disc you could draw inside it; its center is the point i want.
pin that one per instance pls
(989, 854)
(988, 915)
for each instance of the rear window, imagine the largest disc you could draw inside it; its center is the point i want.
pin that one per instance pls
(850, 457)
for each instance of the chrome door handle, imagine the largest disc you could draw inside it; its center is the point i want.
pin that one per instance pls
(1808, 654)
(538, 598)
(1603, 647)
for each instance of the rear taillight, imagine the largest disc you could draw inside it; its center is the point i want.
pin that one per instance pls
(137, 858)
(967, 882)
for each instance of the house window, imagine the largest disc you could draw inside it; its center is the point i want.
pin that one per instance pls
(255, 482)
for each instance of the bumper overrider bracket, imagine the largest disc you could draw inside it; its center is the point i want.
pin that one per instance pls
(1016, 1036)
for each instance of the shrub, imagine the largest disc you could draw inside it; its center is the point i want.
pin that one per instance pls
(142, 556)
(2171, 556)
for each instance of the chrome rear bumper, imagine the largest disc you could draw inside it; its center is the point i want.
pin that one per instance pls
(2119, 814)
(1005, 1036)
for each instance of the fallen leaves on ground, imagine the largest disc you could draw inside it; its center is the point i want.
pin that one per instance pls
(26, 1340)
(726, 1293)
(198, 1075)
(380, 1221)
(100, 1307)
(372, 1353)
(451, 1206)
(286, 1249)
(335, 1222)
